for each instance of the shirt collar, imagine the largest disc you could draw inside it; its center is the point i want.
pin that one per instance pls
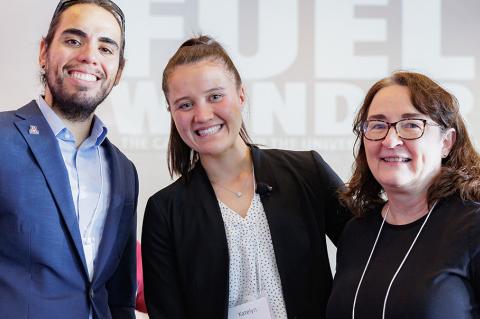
(99, 131)
(97, 135)
(53, 120)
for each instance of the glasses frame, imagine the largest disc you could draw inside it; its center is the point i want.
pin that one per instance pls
(394, 125)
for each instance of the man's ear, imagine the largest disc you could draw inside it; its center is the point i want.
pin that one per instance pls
(119, 72)
(42, 56)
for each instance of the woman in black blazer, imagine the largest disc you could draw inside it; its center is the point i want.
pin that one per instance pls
(242, 231)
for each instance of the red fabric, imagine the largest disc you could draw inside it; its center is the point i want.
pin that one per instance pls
(140, 301)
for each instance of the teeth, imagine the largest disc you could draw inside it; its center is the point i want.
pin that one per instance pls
(83, 76)
(395, 159)
(209, 131)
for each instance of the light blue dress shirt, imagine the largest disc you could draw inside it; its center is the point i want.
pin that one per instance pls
(89, 176)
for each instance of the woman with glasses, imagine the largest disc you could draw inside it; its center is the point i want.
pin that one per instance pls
(413, 250)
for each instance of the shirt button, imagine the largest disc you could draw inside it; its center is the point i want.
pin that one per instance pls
(91, 294)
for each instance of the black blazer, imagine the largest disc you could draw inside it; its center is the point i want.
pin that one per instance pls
(184, 246)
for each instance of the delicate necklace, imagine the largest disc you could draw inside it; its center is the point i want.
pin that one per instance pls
(399, 267)
(237, 194)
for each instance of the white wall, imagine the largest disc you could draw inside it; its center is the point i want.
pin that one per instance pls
(306, 64)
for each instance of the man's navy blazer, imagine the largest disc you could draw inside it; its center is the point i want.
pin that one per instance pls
(43, 273)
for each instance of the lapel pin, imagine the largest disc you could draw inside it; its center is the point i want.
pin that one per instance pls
(33, 130)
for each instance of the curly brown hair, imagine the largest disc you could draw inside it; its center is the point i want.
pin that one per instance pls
(460, 171)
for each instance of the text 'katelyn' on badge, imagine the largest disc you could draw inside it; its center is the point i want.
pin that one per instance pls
(33, 130)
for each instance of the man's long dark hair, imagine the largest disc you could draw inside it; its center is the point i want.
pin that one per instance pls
(108, 5)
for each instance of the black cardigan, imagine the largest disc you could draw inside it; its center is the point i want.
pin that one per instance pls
(184, 246)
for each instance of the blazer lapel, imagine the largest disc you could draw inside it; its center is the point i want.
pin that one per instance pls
(45, 150)
(211, 219)
(275, 204)
(205, 194)
(115, 209)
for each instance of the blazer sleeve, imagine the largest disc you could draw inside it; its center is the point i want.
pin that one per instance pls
(336, 215)
(122, 285)
(163, 295)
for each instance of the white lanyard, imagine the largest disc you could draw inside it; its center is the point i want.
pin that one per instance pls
(399, 267)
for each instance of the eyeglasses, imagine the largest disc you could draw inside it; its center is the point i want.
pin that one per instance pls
(407, 129)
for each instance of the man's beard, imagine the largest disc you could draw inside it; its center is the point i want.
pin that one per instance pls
(75, 107)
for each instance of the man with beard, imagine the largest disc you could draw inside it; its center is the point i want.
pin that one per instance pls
(67, 195)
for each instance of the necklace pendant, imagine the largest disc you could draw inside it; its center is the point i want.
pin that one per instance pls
(238, 194)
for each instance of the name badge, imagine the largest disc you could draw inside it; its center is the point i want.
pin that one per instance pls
(256, 309)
